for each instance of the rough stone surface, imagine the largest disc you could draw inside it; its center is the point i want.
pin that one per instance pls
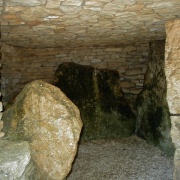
(51, 123)
(35, 62)
(14, 160)
(97, 93)
(172, 65)
(84, 23)
(153, 119)
(176, 174)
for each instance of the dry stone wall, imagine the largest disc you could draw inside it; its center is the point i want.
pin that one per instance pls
(22, 65)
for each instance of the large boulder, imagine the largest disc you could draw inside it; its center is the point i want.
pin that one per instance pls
(97, 93)
(51, 123)
(153, 119)
(15, 161)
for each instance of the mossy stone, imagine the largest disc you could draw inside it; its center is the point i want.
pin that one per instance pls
(97, 93)
(153, 120)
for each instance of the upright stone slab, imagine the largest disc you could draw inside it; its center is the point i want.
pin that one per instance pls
(153, 120)
(51, 123)
(172, 69)
(97, 93)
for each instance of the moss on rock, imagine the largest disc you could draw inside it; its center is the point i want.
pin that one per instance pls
(97, 93)
(153, 120)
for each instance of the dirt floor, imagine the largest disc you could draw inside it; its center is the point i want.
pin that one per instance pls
(125, 159)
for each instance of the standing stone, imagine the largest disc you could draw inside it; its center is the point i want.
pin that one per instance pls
(14, 160)
(153, 120)
(97, 93)
(172, 66)
(50, 122)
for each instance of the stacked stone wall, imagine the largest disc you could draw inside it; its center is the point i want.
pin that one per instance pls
(22, 65)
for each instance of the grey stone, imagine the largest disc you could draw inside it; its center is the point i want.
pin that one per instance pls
(14, 159)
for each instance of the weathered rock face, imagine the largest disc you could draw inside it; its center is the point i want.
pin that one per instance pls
(51, 123)
(172, 66)
(15, 161)
(97, 93)
(153, 120)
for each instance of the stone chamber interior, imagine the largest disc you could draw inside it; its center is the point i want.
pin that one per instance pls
(137, 40)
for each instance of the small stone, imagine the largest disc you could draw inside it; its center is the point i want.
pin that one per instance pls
(2, 134)
(1, 106)
(1, 125)
(127, 84)
(129, 49)
(70, 9)
(14, 159)
(29, 3)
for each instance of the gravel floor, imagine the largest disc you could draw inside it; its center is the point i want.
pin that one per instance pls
(124, 159)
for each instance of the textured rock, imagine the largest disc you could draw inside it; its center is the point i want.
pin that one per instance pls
(98, 95)
(50, 122)
(172, 65)
(176, 174)
(105, 22)
(14, 160)
(153, 113)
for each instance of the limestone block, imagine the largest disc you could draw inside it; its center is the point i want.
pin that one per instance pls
(29, 3)
(14, 159)
(1, 106)
(45, 117)
(70, 9)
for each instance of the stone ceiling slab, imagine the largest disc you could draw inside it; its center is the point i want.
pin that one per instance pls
(57, 23)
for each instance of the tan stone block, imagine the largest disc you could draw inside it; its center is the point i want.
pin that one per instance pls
(70, 9)
(102, 65)
(2, 134)
(129, 49)
(112, 7)
(93, 3)
(114, 49)
(1, 125)
(136, 91)
(96, 60)
(114, 65)
(53, 3)
(1, 106)
(72, 3)
(135, 7)
(134, 72)
(127, 84)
